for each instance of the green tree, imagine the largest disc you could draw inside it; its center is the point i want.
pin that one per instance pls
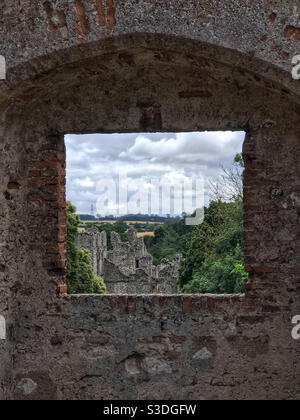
(80, 275)
(169, 239)
(223, 275)
(214, 261)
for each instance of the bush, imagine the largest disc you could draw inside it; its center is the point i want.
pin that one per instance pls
(225, 275)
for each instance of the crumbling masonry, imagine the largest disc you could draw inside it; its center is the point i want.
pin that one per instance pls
(134, 66)
(128, 268)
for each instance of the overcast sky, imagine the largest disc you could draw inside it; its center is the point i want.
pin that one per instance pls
(120, 173)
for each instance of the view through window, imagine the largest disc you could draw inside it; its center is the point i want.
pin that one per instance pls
(155, 213)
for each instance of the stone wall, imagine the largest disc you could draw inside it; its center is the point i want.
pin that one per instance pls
(129, 268)
(134, 66)
(95, 242)
(159, 347)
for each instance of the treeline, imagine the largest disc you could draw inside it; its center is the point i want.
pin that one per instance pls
(128, 218)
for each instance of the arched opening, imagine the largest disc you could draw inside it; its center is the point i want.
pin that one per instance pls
(138, 87)
(143, 89)
(150, 84)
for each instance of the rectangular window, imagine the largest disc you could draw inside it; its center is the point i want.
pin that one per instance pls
(155, 213)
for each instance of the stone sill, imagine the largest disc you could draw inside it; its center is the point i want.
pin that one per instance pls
(160, 303)
(161, 295)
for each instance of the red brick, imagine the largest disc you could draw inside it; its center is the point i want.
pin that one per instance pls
(173, 355)
(177, 339)
(39, 181)
(292, 33)
(41, 164)
(61, 237)
(210, 303)
(34, 173)
(110, 10)
(285, 56)
(62, 289)
(57, 264)
(101, 15)
(118, 302)
(252, 269)
(62, 229)
(250, 319)
(271, 309)
(34, 197)
(12, 185)
(81, 26)
(186, 304)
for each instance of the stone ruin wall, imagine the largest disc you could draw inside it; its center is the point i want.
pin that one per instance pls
(136, 66)
(128, 268)
(96, 243)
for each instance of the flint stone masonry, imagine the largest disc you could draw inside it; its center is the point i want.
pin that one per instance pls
(129, 268)
(203, 354)
(136, 66)
(26, 386)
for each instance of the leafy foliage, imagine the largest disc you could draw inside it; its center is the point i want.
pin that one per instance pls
(169, 239)
(213, 251)
(214, 261)
(80, 275)
(223, 275)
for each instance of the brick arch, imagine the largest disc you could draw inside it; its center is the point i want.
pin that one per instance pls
(146, 82)
(27, 78)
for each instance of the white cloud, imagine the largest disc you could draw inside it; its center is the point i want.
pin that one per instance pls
(183, 147)
(85, 183)
(167, 156)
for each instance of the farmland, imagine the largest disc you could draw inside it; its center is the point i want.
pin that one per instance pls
(142, 234)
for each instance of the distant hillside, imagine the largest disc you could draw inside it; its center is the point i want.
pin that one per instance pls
(84, 217)
(127, 218)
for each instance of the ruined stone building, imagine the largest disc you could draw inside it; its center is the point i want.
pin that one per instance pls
(128, 268)
(111, 66)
